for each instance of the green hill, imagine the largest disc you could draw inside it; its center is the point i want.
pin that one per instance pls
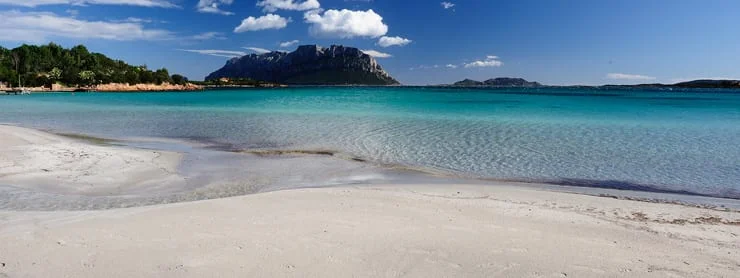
(47, 64)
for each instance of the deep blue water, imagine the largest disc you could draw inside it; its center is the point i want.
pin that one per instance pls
(674, 141)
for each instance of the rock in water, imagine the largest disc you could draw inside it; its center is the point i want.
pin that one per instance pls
(308, 65)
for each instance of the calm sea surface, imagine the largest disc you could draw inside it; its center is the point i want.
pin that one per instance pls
(686, 141)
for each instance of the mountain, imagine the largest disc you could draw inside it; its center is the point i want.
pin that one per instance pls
(497, 82)
(308, 65)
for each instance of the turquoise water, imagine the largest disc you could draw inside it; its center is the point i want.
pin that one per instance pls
(686, 141)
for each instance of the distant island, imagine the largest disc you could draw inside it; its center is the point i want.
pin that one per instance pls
(54, 68)
(497, 82)
(307, 65)
(522, 83)
(699, 84)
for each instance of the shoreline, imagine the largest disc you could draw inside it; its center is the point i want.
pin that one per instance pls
(404, 173)
(415, 228)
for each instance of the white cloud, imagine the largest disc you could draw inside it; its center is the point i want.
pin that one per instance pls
(289, 43)
(424, 67)
(208, 36)
(258, 50)
(217, 53)
(269, 21)
(40, 26)
(293, 5)
(377, 54)
(490, 61)
(447, 5)
(451, 66)
(212, 6)
(624, 76)
(141, 3)
(346, 23)
(391, 41)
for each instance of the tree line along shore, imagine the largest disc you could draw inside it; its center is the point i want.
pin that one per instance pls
(54, 68)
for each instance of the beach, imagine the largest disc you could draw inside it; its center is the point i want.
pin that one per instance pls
(389, 230)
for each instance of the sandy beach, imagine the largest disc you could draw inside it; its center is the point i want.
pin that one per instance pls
(392, 230)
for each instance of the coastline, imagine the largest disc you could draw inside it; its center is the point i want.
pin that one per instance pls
(112, 87)
(352, 229)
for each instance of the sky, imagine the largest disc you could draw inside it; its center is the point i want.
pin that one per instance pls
(419, 42)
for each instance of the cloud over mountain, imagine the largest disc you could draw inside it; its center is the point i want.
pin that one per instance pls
(625, 76)
(377, 54)
(490, 61)
(391, 41)
(345, 23)
(268, 21)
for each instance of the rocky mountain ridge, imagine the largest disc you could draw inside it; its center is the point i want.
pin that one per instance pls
(308, 65)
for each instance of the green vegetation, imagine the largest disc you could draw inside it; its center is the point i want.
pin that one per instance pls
(48, 64)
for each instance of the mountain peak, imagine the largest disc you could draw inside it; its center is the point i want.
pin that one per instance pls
(309, 65)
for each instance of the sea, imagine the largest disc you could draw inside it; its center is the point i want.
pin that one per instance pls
(663, 141)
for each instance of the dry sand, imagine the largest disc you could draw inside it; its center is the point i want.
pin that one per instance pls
(39, 160)
(361, 231)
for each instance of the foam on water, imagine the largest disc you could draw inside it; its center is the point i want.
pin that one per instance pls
(676, 141)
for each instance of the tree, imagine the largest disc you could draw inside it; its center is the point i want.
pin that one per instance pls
(55, 74)
(162, 76)
(146, 77)
(17, 61)
(132, 77)
(87, 77)
(179, 79)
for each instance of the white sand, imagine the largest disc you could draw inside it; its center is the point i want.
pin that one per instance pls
(38, 160)
(376, 231)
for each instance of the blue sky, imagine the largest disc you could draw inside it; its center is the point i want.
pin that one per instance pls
(429, 42)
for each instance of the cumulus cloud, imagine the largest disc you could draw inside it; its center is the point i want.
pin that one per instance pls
(40, 26)
(212, 6)
(451, 66)
(624, 76)
(289, 43)
(217, 53)
(257, 50)
(377, 54)
(269, 21)
(490, 61)
(447, 5)
(346, 23)
(293, 5)
(141, 3)
(391, 41)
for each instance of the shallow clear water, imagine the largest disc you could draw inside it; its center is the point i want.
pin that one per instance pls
(647, 140)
